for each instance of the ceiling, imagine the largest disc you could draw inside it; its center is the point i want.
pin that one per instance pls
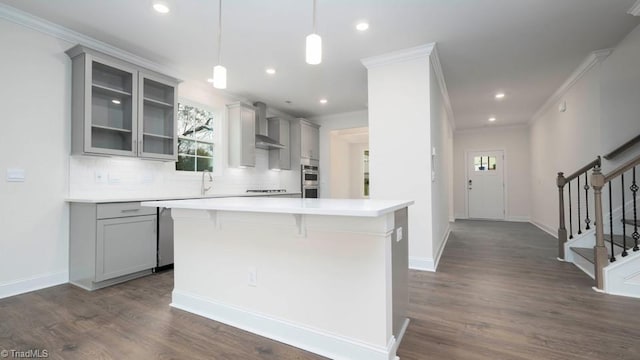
(526, 48)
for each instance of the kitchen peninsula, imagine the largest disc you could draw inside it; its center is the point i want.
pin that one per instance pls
(325, 275)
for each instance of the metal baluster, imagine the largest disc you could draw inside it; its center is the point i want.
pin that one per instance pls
(579, 221)
(586, 199)
(634, 190)
(570, 217)
(624, 220)
(613, 257)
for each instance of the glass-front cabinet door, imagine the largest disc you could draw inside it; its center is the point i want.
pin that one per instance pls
(157, 118)
(112, 127)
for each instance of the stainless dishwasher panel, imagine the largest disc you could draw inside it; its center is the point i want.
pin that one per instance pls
(165, 237)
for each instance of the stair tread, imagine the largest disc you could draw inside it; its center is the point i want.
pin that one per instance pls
(631, 222)
(586, 253)
(617, 240)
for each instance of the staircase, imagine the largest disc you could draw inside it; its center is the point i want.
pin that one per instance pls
(606, 248)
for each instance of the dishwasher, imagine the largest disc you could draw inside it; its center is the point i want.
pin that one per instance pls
(165, 240)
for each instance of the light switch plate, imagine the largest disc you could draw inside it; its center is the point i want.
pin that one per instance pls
(16, 175)
(399, 234)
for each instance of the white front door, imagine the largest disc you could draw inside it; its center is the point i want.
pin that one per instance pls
(485, 184)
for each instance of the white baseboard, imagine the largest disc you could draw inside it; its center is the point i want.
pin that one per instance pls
(518, 219)
(421, 264)
(461, 216)
(33, 283)
(314, 340)
(545, 228)
(441, 249)
(429, 264)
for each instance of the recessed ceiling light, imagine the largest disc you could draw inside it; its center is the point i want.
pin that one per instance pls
(161, 7)
(500, 95)
(492, 119)
(270, 71)
(210, 80)
(323, 101)
(362, 26)
(116, 101)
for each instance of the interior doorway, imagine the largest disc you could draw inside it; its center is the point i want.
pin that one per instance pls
(349, 173)
(485, 184)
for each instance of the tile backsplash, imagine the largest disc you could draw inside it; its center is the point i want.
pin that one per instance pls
(93, 176)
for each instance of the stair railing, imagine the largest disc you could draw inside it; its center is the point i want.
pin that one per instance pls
(563, 181)
(598, 181)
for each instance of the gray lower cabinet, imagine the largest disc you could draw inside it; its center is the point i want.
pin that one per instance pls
(111, 243)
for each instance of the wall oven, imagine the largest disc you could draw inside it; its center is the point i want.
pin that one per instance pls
(310, 179)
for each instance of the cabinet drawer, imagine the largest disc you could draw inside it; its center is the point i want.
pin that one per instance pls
(118, 210)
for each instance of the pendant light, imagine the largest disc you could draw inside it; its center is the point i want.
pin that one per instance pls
(219, 71)
(314, 43)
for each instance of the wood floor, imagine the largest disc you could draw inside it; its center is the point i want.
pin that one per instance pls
(499, 293)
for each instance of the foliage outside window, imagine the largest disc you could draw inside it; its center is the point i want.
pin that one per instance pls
(195, 139)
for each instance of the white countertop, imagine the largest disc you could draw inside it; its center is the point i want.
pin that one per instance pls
(340, 207)
(106, 199)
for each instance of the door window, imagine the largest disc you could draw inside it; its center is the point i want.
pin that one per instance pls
(484, 163)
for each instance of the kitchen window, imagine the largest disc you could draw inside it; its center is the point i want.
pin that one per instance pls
(196, 147)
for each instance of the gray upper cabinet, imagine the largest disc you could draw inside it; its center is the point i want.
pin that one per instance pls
(280, 130)
(309, 140)
(121, 109)
(157, 113)
(242, 135)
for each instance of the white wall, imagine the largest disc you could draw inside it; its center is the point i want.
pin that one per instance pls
(602, 113)
(400, 144)
(35, 136)
(620, 95)
(441, 167)
(338, 168)
(514, 140)
(356, 170)
(563, 142)
(348, 120)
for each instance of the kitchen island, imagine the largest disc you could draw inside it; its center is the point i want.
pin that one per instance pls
(325, 275)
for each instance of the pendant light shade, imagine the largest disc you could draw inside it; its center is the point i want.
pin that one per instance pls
(219, 71)
(219, 77)
(314, 49)
(314, 43)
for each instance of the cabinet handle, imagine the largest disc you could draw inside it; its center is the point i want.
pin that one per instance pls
(130, 210)
(140, 149)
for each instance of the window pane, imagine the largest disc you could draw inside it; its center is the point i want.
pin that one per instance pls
(203, 125)
(484, 163)
(186, 147)
(205, 149)
(205, 164)
(186, 163)
(492, 163)
(185, 120)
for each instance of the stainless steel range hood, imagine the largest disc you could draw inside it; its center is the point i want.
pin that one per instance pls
(263, 141)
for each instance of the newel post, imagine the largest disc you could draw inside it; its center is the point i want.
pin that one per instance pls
(600, 251)
(562, 230)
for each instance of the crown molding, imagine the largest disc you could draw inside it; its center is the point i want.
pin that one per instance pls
(60, 32)
(592, 59)
(635, 9)
(492, 128)
(437, 68)
(422, 51)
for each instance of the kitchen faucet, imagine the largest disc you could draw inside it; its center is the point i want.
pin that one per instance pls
(203, 189)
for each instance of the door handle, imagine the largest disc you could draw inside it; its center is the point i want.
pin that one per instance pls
(470, 184)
